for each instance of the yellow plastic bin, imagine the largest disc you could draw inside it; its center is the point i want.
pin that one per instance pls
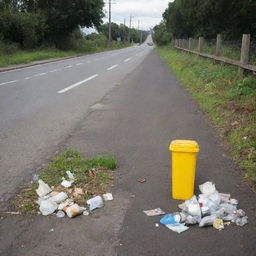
(184, 154)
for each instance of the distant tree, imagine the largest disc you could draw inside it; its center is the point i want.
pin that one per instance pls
(160, 35)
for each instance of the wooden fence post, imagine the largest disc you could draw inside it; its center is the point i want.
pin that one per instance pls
(190, 43)
(200, 44)
(218, 45)
(180, 43)
(245, 50)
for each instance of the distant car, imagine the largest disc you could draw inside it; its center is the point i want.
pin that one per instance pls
(150, 44)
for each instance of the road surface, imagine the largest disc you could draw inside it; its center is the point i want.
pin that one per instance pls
(41, 105)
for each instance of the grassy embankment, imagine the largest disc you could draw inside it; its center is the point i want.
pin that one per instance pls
(92, 175)
(227, 98)
(16, 56)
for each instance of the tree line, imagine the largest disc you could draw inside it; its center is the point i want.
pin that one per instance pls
(194, 18)
(33, 23)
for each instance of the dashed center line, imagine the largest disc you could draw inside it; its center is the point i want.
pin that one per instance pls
(55, 70)
(9, 82)
(128, 59)
(110, 68)
(78, 64)
(40, 74)
(77, 84)
(70, 66)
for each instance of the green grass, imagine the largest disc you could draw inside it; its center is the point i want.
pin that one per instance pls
(227, 98)
(92, 175)
(23, 57)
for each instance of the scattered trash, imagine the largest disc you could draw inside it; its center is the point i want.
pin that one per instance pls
(58, 198)
(132, 196)
(141, 180)
(51, 201)
(51, 230)
(179, 228)
(95, 202)
(47, 207)
(108, 197)
(35, 177)
(74, 210)
(67, 183)
(70, 175)
(60, 214)
(168, 219)
(86, 213)
(218, 224)
(245, 137)
(210, 208)
(43, 189)
(156, 225)
(154, 212)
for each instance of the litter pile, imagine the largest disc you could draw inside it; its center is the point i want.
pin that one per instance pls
(51, 201)
(210, 208)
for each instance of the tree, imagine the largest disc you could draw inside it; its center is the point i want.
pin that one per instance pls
(64, 16)
(161, 36)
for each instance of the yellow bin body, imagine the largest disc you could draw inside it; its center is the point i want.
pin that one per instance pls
(183, 168)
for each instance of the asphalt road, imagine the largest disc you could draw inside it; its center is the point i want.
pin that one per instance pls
(40, 105)
(136, 121)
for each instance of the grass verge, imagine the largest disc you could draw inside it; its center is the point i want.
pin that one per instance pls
(227, 98)
(23, 57)
(93, 176)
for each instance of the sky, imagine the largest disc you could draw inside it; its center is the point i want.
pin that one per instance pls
(148, 12)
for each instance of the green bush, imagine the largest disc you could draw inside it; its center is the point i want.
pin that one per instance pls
(25, 29)
(160, 35)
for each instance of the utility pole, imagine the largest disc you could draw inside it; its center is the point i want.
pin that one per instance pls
(109, 23)
(129, 34)
(124, 30)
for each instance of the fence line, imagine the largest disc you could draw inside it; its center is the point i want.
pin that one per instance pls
(242, 64)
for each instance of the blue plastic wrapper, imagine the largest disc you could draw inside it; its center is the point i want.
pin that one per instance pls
(168, 219)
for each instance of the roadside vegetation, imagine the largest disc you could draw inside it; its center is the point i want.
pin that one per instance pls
(93, 176)
(227, 98)
(38, 29)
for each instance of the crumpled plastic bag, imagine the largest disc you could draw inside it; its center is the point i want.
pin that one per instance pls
(47, 207)
(207, 221)
(60, 197)
(43, 189)
(193, 207)
(207, 188)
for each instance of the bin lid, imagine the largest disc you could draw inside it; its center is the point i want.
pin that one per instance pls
(184, 146)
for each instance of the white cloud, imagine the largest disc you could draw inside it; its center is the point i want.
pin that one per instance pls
(149, 12)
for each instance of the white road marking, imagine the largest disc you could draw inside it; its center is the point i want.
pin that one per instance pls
(55, 70)
(78, 64)
(40, 74)
(110, 68)
(70, 66)
(28, 77)
(77, 84)
(10, 82)
(127, 60)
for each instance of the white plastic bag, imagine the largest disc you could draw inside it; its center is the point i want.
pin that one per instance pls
(60, 197)
(95, 202)
(193, 207)
(67, 183)
(70, 175)
(207, 188)
(108, 197)
(43, 189)
(47, 207)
